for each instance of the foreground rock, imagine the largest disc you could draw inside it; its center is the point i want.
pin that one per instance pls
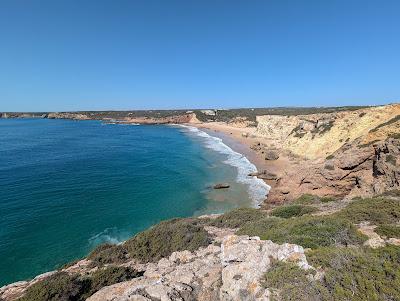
(228, 269)
(271, 155)
(231, 271)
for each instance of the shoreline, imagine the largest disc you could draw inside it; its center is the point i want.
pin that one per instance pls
(241, 139)
(230, 143)
(238, 157)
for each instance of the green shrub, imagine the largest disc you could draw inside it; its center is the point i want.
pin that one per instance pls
(307, 231)
(329, 167)
(391, 159)
(259, 227)
(64, 287)
(349, 274)
(326, 199)
(393, 120)
(167, 237)
(110, 276)
(58, 287)
(326, 127)
(108, 253)
(292, 211)
(395, 136)
(359, 274)
(388, 230)
(238, 217)
(307, 199)
(377, 210)
(391, 193)
(289, 282)
(155, 243)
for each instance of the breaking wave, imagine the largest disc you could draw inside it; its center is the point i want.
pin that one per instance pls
(257, 188)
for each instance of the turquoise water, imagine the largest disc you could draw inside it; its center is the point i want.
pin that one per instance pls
(67, 186)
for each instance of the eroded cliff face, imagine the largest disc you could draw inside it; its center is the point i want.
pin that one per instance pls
(353, 170)
(319, 135)
(335, 154)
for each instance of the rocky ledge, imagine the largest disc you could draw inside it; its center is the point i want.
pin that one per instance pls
(229, 271)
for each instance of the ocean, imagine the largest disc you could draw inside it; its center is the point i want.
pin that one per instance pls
(67, 186)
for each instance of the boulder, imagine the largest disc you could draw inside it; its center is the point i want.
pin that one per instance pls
(221, 186)
(265, 175)
(271, 155)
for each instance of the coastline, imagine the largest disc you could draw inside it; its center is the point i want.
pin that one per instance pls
(241, 139)
(238, 157)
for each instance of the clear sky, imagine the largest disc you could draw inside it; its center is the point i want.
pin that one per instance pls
(78, 55)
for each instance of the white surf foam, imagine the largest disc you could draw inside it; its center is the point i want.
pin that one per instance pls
(257, 188)
(108, 235)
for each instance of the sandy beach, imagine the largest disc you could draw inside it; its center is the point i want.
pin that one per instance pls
(241, 139)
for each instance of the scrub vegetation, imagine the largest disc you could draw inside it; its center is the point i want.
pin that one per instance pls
(348, 274)
(63, 286)
(238, 217)
(345, 269)
(155, 243)
(307, 231)
(292, 211)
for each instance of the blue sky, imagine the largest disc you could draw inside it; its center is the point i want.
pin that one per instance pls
(93, 55)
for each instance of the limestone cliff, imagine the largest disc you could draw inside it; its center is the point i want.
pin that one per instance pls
(319, 135)
(334, 154)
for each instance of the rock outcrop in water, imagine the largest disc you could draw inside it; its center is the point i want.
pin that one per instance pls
(221, 186)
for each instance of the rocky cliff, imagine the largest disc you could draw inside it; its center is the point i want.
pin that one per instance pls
(315, 136)
(333, 154)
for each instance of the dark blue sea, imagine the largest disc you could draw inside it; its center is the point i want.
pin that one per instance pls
(67, 186)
